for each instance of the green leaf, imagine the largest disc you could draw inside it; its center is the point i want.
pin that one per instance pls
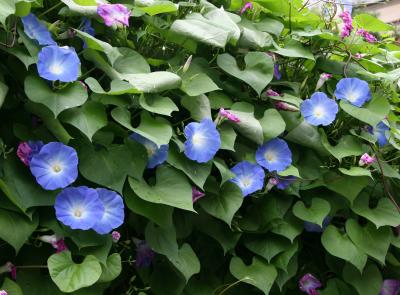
(198, 106)
(172, 188)
(316, 213)
(258, 71)
(16, 229)
(152, 82)
(88, 119)
(162, 240)
(259, 274)
(372, 112)
(290, 227)
(374, 242)
(267, 246)
(385, 212)
(157, 7)
(3, 92)
(307, 135)
(337, 287)
(117, 87)
(225, 172)
(340, 245)
(272, 124)
(157, 104)
(112, 269)
(157, 129)
(130, 62)
(368, 282)
(7, 7)
(270, 25)
(371, 23)
(348, 146)
(225, 204)
(356, 171)
(228, 137)
(282, 260)
(294, 48)
(198, 84)
(69, 276)
(72, 95)
(249, 126)
(11, 287)
(186, 261)
(253, 38)
(75, 7)
(198, 173)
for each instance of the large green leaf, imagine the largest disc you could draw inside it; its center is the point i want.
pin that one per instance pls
(370, 23)
(157, 7)
(340, 245)
(131, 62)
(316, 213)
(69, 276)
(374, 242)
(162, 239)
(248, 126)
(198, 106)
(88, 118)
(225, 204)
(356, 171)
(152, 82)
(111, 269)
(259, 273)
(385, 212)
(198, 84)
(258, 71)
(172, 188)
(228, 136)
(225, 172)
(348, 146)
(11, 287)
(157, 104)
(267, 246)
(186, 261)
(368, 282)
(272, 124)
(72, 95)
(16, 229)
(294, 48)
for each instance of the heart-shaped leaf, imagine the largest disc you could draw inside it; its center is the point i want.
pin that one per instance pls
(316, 213)
(268, 246)
(368, 282)
(272, 124)
(341, 246)
(374, 242)
(186, 261)
(348, 146)
(69, 276)
(72, 95)
(198, 106)
(157, 104)
(259, 274)
(111, 269)
(258, 71)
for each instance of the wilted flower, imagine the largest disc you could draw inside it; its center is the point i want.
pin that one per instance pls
(114, 14)
(353, 90)
(55, 166)
(26, 150)
(227, 114)
(284, 181)
(58, 63)
(247, 6)
(156, 155)
(347, 24)
(274, 155)
(319, 109)
(366, 160)
(79, 207)
(144, 254)
(113, 215)
(390, 287)
(322, 79)
(284, 106)
(36, 30)
(196, 194)
(87, 28)
(366, 35)
(249, 177)
(115, 236)
(203, 141)
(272, 182)
(308, 283)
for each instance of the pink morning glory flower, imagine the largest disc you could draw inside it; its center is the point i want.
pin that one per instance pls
(271, 92)
(359, 55)
(366, 160)
(308, 284)
(57, 243)
(196, 194)
(9, 268)
(366, 35)
(227, 114)
(390, 287)
(247, 6)
(117, 14)
(3, 292)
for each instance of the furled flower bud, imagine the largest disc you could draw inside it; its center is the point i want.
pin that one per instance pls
(227, 114)
(283, 106)
(196, 194)
(366, 160)
(247, 6)
(115, 236)
(271, 92)
(366, 35)
(322, 79)
(187, 64)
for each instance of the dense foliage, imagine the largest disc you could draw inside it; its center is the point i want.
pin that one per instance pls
(198, 148)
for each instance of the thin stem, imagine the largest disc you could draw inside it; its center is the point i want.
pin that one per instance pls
(233, 285)
(51, 9)
(31, 266)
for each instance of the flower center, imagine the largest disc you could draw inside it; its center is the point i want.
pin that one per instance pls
(56, 69)
(352, 96)
(78, 213)
(318, 112)
(270, 156)
(197, 139)
(57, 168)
(246, 181)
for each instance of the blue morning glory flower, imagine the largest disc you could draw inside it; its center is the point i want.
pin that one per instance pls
(249, 177)
(353, 90)
(55, 166)
(380, 131)
(203, 141)
(274, 155)
(58, 63)
(79, 207)
(319, 109)
(87, 28)
(37, 30)
(113, 215)
(156, 155)
(285, 181)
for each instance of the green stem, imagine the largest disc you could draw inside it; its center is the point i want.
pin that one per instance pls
(51, 9)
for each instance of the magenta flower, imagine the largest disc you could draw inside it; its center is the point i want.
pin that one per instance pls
(390, 287)
(3, 292)
(144, 254)
(112, 14)
(272, 182)
(9, 268)
(26, 150)
(271, 92)
(196, 194)
(115, 236)
(57, 243)
(308, 284)
(347, 24)
(322, 79)
(283, 106)
(247, 6)
(366, 35)
(359, 55)
(227, 114)
(366, 160)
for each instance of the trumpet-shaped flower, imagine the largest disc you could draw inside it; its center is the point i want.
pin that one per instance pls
(79, 207)
(58, 63)
(319, 109)
(156, 155)
(37, 30)
(26, 150)
(203, 141)
(366, 159)
(55, 166)
(249, 177)
(196, 194)
(308, 284)
(274, 155)
(113, 215)
(114, 14)
(353, 90)
(380, 131)
(390, 287)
